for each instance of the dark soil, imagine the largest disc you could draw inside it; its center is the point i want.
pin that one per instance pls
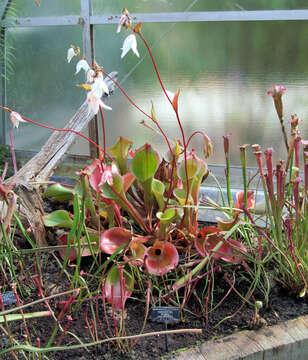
(281, 307)
(230, 316)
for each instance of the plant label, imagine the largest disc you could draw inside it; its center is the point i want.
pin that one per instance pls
(165, 314)
(8, 298)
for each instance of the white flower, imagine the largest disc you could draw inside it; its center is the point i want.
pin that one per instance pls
(94, 102)
(16, 119)
(100, 85)
(130, 42)
(70, 54)
(82, 64)
(97, 89)
(90, 76)
(123, 20)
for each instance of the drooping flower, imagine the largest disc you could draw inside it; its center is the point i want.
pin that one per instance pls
(16, 118)
(278, 90)
(100, 86)
(82, 64)
(121, 22)
(161, 258)
(125, 20)
(90, 76)
(130, 43)
(207, 146)
(70, 54)
(94, 102)
(276, 93)
(97, 87)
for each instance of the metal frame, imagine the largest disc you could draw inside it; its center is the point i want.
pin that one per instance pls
(87, 20)
(252, 15)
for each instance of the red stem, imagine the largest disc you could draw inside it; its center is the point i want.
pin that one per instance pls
(56, 129)
(67, 325)
(130, 208)
(113, 314)
(176, 113)
(127, 97)
(66, 307)
(288, 224)
(104, 305)
(170, 184)
(88, 325)
(192, 135)
(13, 286)
(207, 298)
(155, 67)
(138, 108)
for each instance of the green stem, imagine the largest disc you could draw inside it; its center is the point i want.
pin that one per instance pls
(229, 195)
(79, 346)
(182, 281)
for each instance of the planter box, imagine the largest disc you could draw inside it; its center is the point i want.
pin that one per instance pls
(286, 341)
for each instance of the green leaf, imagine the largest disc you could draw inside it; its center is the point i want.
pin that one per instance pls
(120, 152)
(193, 167)
(145, 163)
(58, 192)
(167, 216)
(180, 195)
(117, 184)
(59, 218)
(196, 183)
(158, 189)
(302, 293)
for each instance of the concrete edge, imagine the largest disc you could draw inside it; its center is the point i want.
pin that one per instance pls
(285, 341)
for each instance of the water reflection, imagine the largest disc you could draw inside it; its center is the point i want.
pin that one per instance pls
(222, 69)
(216, 105)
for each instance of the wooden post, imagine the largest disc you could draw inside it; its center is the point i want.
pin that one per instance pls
(88, 49)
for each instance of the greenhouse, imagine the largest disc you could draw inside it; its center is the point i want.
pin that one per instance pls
(153, 178)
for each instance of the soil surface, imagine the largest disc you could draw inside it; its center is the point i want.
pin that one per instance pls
(281, 307)
(232, 315)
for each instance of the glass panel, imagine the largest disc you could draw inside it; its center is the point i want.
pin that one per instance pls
(42, 87)
(140, 6)
(223, 71)
(28, 8)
